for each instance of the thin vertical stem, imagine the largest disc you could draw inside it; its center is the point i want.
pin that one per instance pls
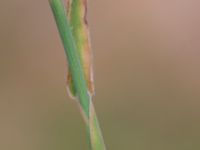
(78, 78)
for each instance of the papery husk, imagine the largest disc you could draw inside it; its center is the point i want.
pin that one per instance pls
(77, 15)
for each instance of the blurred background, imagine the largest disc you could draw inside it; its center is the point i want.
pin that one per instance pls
(147, 76)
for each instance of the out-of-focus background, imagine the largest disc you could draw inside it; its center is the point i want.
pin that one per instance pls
(147, 76)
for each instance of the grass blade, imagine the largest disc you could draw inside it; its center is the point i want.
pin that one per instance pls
(78, 76)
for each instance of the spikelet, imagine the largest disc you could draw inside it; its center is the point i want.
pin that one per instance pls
(77, 15)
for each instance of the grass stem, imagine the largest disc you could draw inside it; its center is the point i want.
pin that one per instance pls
(77, 73)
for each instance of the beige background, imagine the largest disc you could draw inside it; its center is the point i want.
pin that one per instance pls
(147, 76)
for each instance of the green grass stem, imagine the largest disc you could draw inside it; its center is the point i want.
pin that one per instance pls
(76, 69)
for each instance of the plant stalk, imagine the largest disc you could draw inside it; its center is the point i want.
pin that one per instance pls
(77, 72)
